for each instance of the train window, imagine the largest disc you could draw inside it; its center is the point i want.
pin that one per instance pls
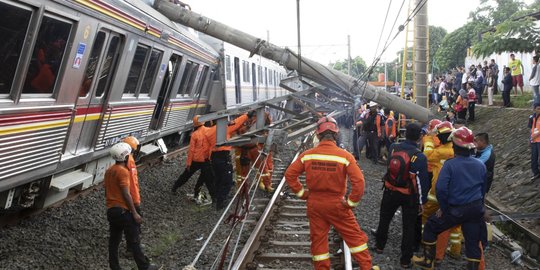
(150, 73)
(259, 74)
(14, 21)
(135, 70)
(265, 76)
(47, 56)
(270, 77)
(202, 82)
(109, 65)
(275, 78)
(228, 67)
(188, 78)
(91, 67)
(192, 78)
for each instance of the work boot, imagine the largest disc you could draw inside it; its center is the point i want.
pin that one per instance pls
(428, 261)
(472, 265)
(375, 267)
(262, 186)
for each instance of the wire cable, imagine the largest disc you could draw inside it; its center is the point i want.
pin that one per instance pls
(382, 30)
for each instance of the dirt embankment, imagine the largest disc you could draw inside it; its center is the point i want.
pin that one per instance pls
(509, 135)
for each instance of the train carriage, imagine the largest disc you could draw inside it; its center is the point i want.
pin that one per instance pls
(80, 75)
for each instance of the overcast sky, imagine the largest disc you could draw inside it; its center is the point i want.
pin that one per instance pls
(326, 24)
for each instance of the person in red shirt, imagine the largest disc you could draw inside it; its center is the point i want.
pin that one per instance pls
(121, 212)
(198, 159)
(327, 167)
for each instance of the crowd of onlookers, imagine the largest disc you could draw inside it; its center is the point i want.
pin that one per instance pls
(458, 91)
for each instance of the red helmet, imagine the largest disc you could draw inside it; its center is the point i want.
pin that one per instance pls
(433, 123)
(444, 127)
(327, 123)
(463, 137)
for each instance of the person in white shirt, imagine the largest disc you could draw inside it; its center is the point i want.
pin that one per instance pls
(534, 79)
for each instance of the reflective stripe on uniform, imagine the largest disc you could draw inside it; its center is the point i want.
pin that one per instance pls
(431, 197)
(351, 203)
(320, 257)
(359, 248)
(300, 193)
(455, 241)
(473, 260)
(442, 161)
(337, 159)
(454, 235)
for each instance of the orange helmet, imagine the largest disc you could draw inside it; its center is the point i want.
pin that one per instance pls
(196, 122)
(132, 141)
(444, 127)
(327, 123)
(433, 123)
(463, 137)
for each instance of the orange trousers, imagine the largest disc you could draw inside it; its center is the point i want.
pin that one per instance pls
(252, 154)
(323, 212)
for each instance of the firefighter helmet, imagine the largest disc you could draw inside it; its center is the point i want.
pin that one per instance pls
(463, 137)
(433, 123)
(327, 123)
(120, 151)
(196, 122)
(132, 141)
(444, 127)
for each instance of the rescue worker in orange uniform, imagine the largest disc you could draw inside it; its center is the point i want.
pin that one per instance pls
(134, 178)
(198, 159)
(327, 167)
(437, 155)
(390, 129)
(121, 212)
(249, 154)
(221, 159)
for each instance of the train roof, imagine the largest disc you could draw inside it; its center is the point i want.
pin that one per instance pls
(144, 12)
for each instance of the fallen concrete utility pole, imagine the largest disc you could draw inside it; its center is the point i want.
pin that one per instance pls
(310, 69)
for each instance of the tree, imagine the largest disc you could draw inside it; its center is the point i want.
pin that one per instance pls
(508, 27)
(454, 47)
(436, 36)
(358, 66)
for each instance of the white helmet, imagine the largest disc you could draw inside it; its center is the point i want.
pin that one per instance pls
(120, 151)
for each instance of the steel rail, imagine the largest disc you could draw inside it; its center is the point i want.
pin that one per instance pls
(252, 244)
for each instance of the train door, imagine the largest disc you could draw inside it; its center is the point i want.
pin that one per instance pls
(254, 80)
(165, 92)
(94, 91)
(237, 83)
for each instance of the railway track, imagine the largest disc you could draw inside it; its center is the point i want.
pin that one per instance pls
(279, 227)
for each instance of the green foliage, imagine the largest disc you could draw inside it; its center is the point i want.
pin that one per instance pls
(453, 48)
(358, 66)
(506, 27)
(436, 36)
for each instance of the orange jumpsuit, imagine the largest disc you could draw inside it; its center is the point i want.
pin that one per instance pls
(436, 156)
(327, 167)
(133, 181)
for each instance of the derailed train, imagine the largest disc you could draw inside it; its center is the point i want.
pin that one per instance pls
(79, 75)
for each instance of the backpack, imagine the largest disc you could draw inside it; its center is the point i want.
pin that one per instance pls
(397, 173)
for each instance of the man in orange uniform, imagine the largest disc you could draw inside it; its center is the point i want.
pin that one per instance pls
(121, 212)
(134, 179)
(198, 159)
(390, 129)
(327, 168)
(221, 159)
